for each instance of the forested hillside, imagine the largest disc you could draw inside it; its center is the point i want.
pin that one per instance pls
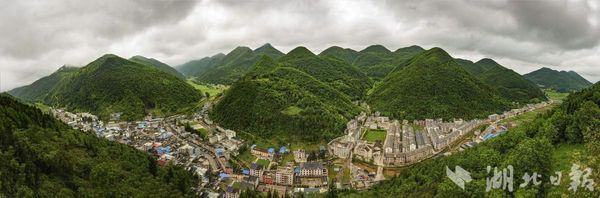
(507, 82)
(433, 85)
(199, 67)
(561, 81)
(42, 157)
(159, 65)
(112, 84)
(278, 101)
(39, 89)
(338, 74)
(544, 145)
(231, 67)
(510, 84)
(376, 61)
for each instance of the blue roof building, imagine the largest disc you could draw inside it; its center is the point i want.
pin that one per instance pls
(246, 172)
(271, 150)
(163, 150)
(253, 146)
(223, 176)
(219, 152)
(282, 150)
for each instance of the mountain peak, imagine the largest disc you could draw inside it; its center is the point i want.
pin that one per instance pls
(66, 68)
(300, 51)
(410, 48)
(376, 49)
(487, 61)
(240, 49)
(263, 65)
(438, 54)
(266, 45)
(268, 49)
(107, 57)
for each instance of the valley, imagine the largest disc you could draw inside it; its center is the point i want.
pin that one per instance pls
(300, 123)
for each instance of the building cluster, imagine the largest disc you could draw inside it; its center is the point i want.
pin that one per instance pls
(166, 139)
(285, 179)
(83, 121)
(516, 112)
(405, 142)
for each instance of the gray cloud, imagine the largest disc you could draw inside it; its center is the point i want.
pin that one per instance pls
(40, 36)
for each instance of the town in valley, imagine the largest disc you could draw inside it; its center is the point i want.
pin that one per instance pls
(372, 148)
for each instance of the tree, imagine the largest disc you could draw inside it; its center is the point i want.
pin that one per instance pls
(332, 193)
(588, 122)
(312, 156)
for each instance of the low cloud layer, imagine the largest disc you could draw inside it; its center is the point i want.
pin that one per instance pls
(40, 36)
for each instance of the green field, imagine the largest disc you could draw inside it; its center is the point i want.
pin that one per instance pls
(212, 90)
(554, 95)
(288, 157)
(292, 110)
(346, 177)
(529, 116)
(375, 135)
(246, 156)
(42, 107)
(276, 142)
(262, 162)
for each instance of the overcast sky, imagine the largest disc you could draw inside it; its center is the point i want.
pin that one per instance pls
(39, 36)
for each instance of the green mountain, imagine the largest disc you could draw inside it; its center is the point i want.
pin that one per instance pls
(279, 101)
(509, 83)
(231, 67)
(269, 50)
(376, 60)
(336, 73)
(562, 81)
(199, 67)
(112, 84)
(471, 67)
(345, 54)
(159, 65)
(433, 85)
(554, 140)
(43, 157)
(39, 89)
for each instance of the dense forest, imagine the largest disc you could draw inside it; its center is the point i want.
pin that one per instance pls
(433, 85)
(112, 84)
(561, 81)
(42, 157)
(159, 65)
(528, 148)
(228, 68)
(511, 85)
(276, 101)
(338, 74)
(39, 89)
